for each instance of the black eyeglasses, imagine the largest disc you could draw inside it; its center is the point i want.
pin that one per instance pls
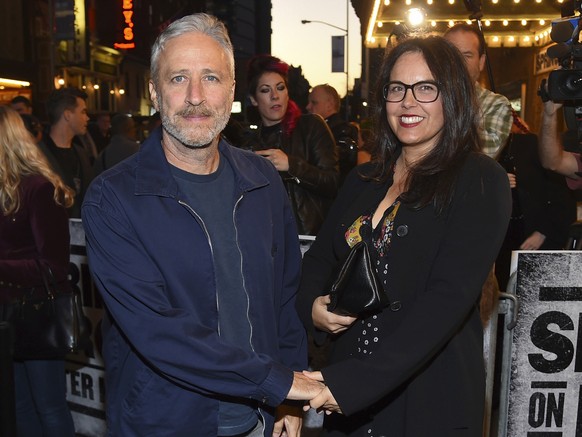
(424, 92)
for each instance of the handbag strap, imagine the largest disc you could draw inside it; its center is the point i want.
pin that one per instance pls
(48, 279)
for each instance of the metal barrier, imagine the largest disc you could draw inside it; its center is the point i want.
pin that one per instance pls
(574, 236)
(497, 370)
(508, 307)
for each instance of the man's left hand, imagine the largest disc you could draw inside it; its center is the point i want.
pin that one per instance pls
(288, 421)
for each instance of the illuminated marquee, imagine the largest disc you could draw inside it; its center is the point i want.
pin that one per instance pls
(128, 36)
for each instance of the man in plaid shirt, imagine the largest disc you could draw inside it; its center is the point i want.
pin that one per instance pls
(495, 108)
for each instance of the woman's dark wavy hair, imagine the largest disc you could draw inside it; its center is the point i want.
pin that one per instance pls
(431, 180)
(260, 64)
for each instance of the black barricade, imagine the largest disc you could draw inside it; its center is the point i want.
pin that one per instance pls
(7, 408)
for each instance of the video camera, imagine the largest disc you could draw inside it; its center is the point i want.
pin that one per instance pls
(566, 83)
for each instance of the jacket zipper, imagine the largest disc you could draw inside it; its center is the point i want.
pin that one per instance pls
(241, 271)
(259, 409)
(197, 217)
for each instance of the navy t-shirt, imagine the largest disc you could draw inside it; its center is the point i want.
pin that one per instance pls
(212, 197)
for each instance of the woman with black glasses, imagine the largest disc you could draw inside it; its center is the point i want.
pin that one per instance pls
(433, 211)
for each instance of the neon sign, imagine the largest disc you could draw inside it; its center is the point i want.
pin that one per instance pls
(128, 36)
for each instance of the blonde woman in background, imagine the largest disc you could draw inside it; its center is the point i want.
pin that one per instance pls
(33, 226)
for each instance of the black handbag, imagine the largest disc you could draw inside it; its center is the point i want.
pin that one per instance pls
(48, 323)
(354, 285)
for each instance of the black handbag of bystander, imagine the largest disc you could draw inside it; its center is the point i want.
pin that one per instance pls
(48, 323)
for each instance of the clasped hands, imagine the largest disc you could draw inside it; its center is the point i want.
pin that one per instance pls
(309, 386)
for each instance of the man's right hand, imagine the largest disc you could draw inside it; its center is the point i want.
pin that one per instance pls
(550, 149)
(304, 388)
(551, 108)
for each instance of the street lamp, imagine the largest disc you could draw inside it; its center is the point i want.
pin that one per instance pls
(347, 56)
(323, 22)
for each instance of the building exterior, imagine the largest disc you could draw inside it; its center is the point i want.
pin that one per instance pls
(103, 46)
(517, 34)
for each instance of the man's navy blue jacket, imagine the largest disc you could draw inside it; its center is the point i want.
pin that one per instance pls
(151, 258)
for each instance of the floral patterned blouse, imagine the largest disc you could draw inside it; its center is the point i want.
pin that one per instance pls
(380, 239)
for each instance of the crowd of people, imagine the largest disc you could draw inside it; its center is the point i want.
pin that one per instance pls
(192, 239)
(45, 171)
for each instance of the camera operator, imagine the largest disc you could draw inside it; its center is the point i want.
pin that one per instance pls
(543, 206)
(563, 89)
(551, 149)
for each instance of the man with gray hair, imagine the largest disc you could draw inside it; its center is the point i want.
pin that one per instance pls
(193, 247)
(324, 100)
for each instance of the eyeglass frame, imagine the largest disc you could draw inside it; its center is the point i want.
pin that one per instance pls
(411, 88)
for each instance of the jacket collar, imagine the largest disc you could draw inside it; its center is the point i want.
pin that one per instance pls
(333, 118)
(154, 176)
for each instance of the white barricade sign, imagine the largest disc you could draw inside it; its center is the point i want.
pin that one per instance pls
(85, 371)
(545, 388)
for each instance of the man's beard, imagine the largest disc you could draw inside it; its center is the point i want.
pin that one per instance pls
(194, 137)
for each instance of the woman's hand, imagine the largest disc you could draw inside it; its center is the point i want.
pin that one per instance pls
(328, 321)
(277, 157)
(324, 400)
(512, 180)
